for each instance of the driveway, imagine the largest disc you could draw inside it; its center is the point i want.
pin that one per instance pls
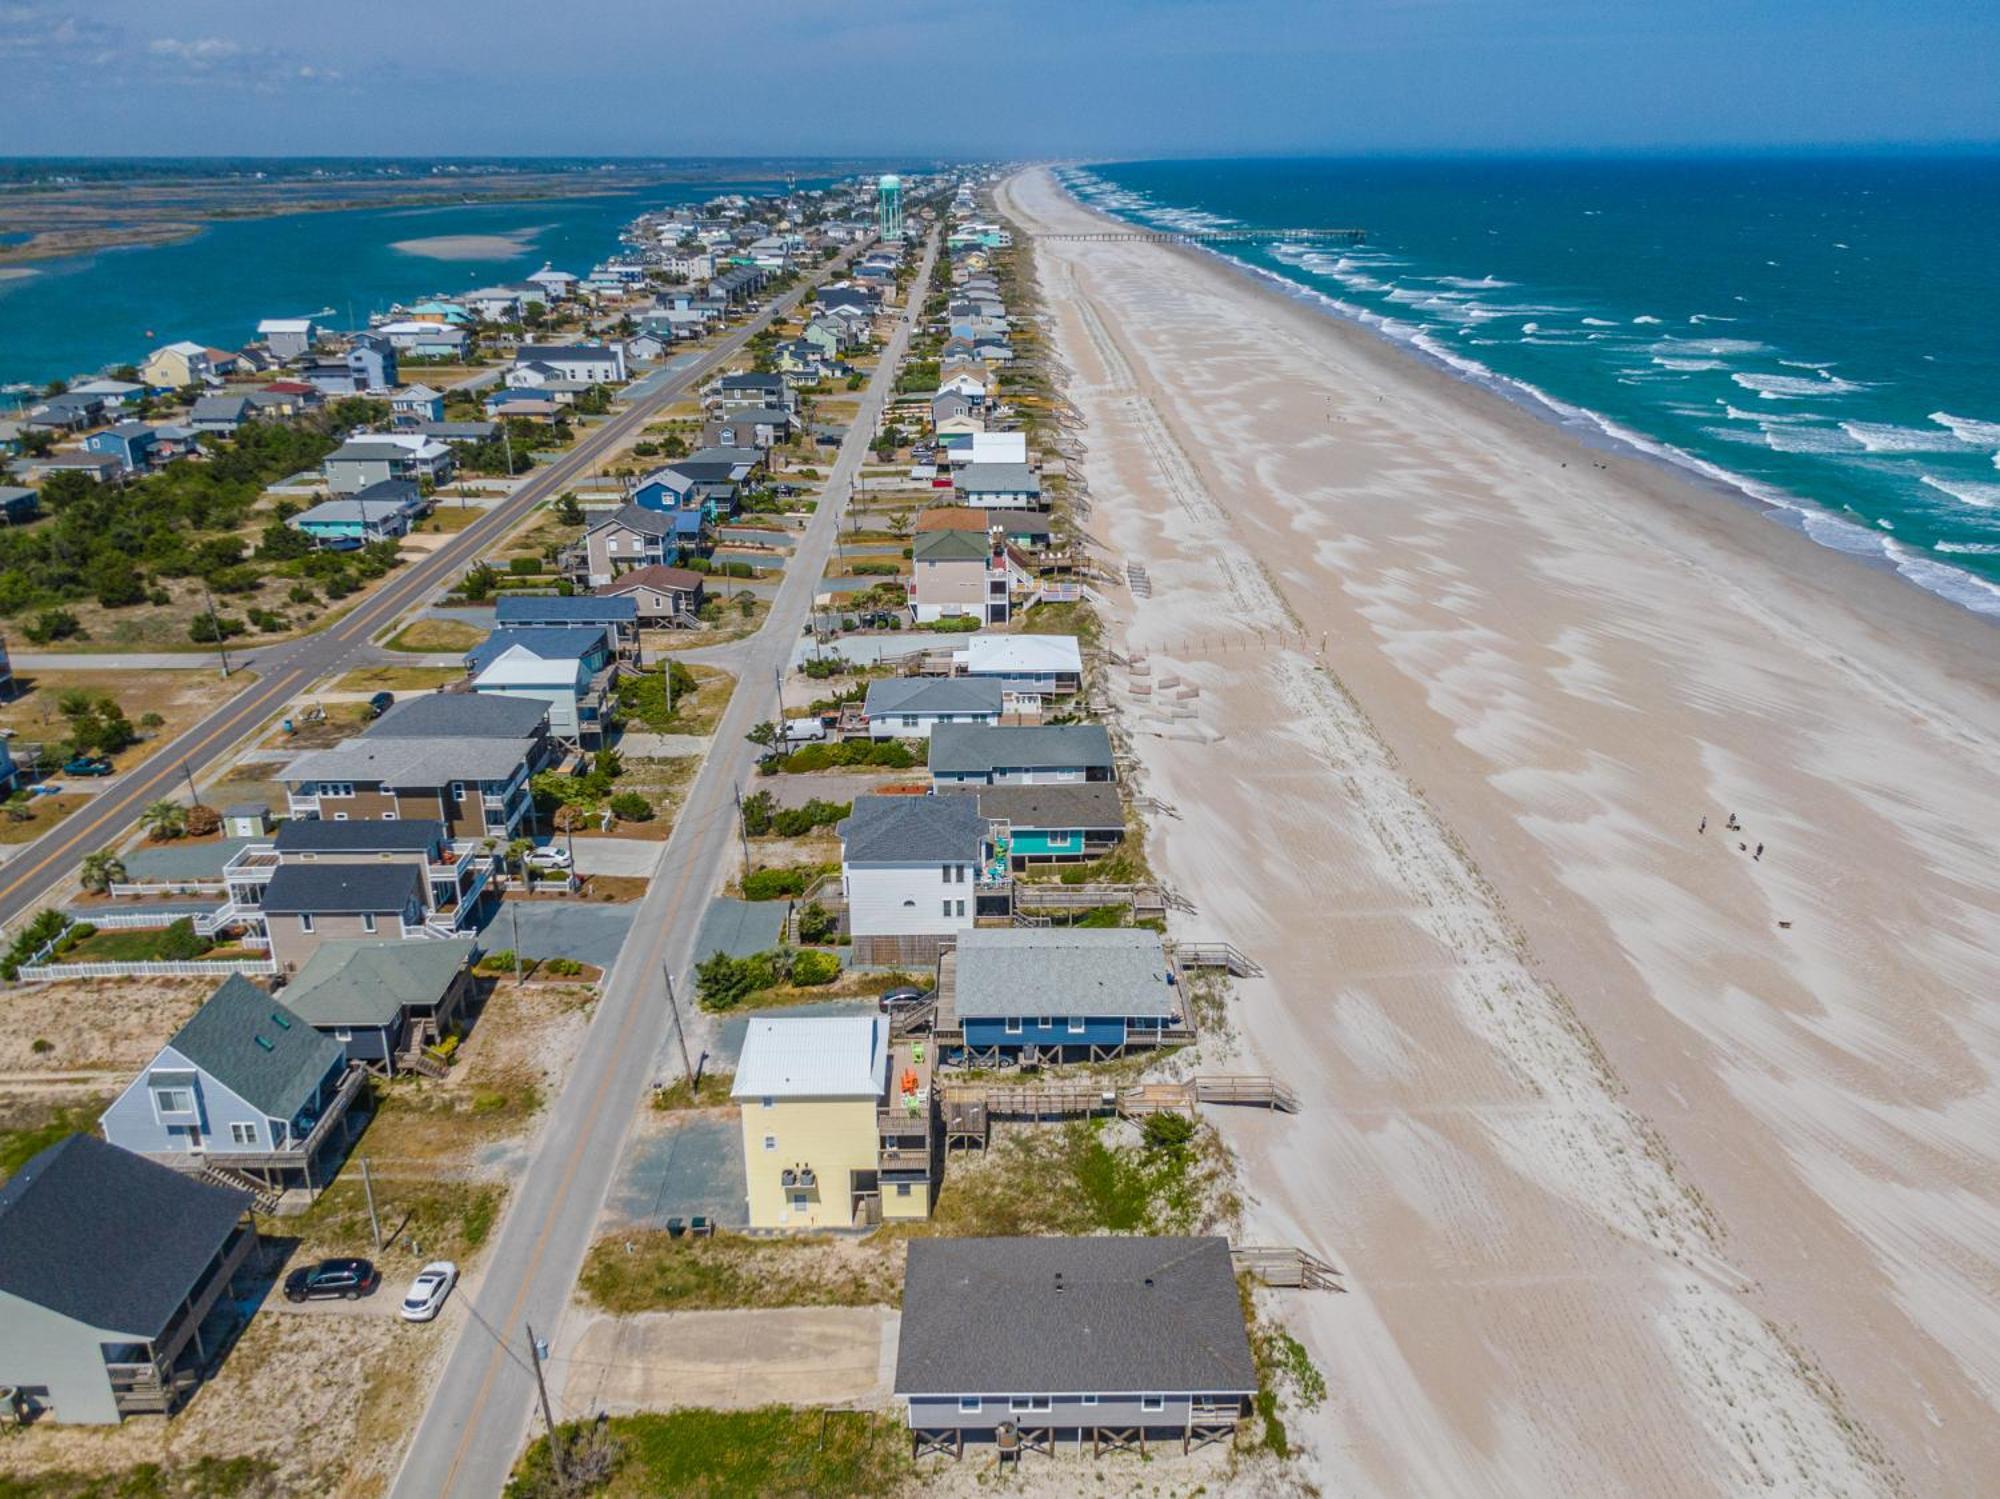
(560, 929)
(637, 857)
(681, 1164)
(732, 1360)
(740, 927)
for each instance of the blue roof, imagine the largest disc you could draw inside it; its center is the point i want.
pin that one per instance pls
(687, 523)
(532, 609)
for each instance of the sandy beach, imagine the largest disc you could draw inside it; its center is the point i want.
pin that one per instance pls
(470, 246)
(1654, 1167)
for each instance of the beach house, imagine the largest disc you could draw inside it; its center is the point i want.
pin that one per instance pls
(415, 404)
(288, 337)
(1063, 823)
(634, 537)
(175, 366)
(383, 1001)
(663, 596)
(1009, 995)
(911, 868)
(962, 573)
(614, 617)
(912, 707)
(119, 1280)
(380, 456)
(592, 364)
(1002, 486)
(982, 755)
(572, 671)
(380, 512)
(220, 415)
(1039, 1340)
(1032, 670)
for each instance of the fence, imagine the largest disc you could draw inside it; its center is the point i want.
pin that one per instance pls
(118, 921)
(214, 886)
(44, 973)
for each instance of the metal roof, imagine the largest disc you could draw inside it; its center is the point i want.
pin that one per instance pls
(256, 1047)
(356, 981)
(413, 760)
(813, 1056)
(108, 1238)
(1004, 655)
(340, 889)
(976, 747)
(912, 830)
(998, 478)
(952, 545)
(543, 642)
(1107, 1316)
(1063, 971)
(892, 695)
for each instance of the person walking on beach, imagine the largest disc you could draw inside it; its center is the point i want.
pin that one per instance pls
(1733, 825)
(1704, 824)
(1759, 854)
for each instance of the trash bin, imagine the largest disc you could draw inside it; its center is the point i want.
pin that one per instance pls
(676, 1227)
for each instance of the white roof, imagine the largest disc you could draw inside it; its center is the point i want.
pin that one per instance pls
(184, 346)
(1000, 447)
(517, 666)
(419, 325)
(285, 325)
(1002, 655)
(813, 1056)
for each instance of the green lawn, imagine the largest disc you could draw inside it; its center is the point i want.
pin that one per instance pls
(774, 1452)
(127, 945)
(436, 636)
(35, 1129)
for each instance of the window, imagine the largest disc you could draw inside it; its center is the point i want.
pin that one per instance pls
(1030, 1403)
(902, 1189)
(1090, 1400)
(770, 1142)
(242, 1134)
(763, 1103)
(174, 1100)
(1013, 1025)
(305, 922)
(1152, 1402)
(909, 720)
(367, 921)
(969, 1405)
(961, 908)
(1076, 1025)
(799, 1201)
(1043, 1022)
(947, 907)
(458, 791)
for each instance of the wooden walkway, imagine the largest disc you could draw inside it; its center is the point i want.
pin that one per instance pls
(1285, 1267)
(976, 1103)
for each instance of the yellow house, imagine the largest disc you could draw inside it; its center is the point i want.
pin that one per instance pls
(175, 365)
(837, 1122)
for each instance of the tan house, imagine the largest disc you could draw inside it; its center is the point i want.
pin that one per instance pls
(956, 572)
(838, 1122)
(306, 904)
(176, 365)
(665, 595)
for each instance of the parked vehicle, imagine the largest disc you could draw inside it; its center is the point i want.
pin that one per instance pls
(906, 997)
(348, 1279)
(381, 703)
(552, 857)
(425, 1298)
(87, 765)
(804, 730)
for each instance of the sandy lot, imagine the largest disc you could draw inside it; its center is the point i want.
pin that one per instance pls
(112, 1026)
(1655, 1168)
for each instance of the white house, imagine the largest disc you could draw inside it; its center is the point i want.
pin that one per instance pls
(1026, 668)
(597, 364)
(999, 447)
(910, 707)
(287, 337)
(910, 869)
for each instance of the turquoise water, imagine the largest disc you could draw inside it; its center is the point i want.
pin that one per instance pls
(1817, 333)
(86, 311)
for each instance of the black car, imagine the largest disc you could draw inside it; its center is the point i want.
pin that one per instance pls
(348, 1279)
(381, 703)
(904, 998)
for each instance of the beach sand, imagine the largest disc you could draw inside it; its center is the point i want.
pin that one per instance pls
(470, 246)
(1652, 1168)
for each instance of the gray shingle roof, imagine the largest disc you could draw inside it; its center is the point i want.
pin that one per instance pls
(893, 695)
(363, 982)
(998, 478)
(1064, 971)
(460, 715)
(255, 1047)
(410, 760)
(971, 747)
(912, 829)
(413, 835)
(1070, 804)
(340, 889)
(537, 609)
(638, 519)
(109, 1238)
(1131, 1316)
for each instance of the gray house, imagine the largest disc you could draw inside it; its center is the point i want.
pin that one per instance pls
(1026, 1340)
(912, 707)
(246, 1089)
(982, 755)
(110, 1269)
(382, 1001)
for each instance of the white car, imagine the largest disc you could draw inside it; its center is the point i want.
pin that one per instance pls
(548, 858)
(425, 1298)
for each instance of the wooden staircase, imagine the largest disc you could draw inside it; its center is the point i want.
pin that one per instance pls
(424, 1061)
(1224, 955)
(1285, 1266)
(263, 1198)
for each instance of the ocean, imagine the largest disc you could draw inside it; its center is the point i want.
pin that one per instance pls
(1816, 333)
(82, 312)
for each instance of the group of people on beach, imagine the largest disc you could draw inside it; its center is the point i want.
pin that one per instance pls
(1733, 826)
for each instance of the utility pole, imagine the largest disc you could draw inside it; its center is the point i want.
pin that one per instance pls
(742, 828)
(368, 1187)
(548, 1416)
(514, 915)
(674, 1009)
(193, 795)
(215, 621)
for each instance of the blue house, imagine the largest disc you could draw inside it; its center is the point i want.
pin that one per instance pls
(371, 360)
(245, 1085)
(131, 443)
(618, 618)
(707, 485)
(416, 403)
(378, 513)
(1055, 994)
(569, 669)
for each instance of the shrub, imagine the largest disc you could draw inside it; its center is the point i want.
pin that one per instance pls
(180, 943)
(810, 969)
(723, 982)
(632, 807)
(778, 884)
(524, 567)
(203, 820)
(1167, 1131)
(562, 967)
(53, 624)
(817, 924)
(757, 811)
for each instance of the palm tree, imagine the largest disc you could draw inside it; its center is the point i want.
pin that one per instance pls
(164, 820)
(99, 871)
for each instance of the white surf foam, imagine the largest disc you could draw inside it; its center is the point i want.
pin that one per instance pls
(1966, 491)
(1886, 437)
(1794, 387)
(1968, 429)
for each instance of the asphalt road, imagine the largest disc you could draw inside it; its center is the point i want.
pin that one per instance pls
(477, 1415)
(32, 875)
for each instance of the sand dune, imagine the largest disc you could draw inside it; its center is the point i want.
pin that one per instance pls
(1655, 1168)
(471, 246)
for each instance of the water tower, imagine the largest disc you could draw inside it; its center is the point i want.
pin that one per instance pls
(890, 189)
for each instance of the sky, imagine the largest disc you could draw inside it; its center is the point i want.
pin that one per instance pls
(1004, 78)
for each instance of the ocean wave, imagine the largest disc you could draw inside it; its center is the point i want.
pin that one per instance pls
(1794, 387)
(1971, 548)
(1885, 437)
(1963, 588)
(1483, 283)
(1789, 437)
(1711, 347)
(1966, 491)
(1598, 322)
(1968, 429)
(1689, 365)
(1764, 418)
(1645, 320)
(1712, 317)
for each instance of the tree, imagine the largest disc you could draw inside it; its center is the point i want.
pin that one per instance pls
(164, 821)
(280, 543)
(757, 812)
(53, 624)
(116, 582)
(180, 943)
(630, 806)
(100, 870)
(567, 510)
